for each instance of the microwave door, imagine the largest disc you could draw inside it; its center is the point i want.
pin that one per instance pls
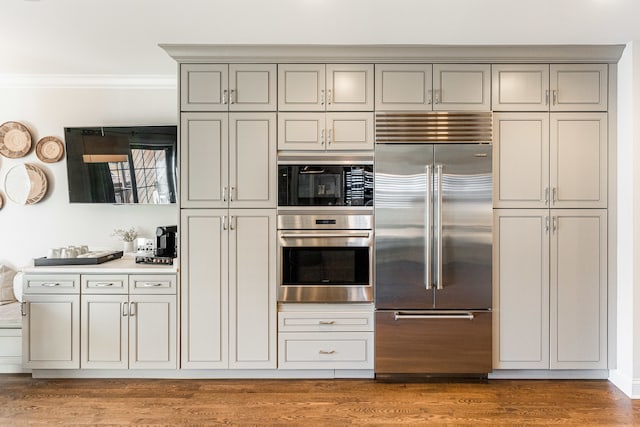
(403, 229)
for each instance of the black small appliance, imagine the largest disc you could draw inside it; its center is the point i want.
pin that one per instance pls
(166, 241)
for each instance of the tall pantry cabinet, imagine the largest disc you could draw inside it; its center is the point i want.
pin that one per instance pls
(550, 218)
(227, 216)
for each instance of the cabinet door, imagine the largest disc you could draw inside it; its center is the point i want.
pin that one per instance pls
(51, 332)
(301, 87)
(203, 87)
(350, 131)
(462, 87)
(403, 87)
(579, 87)
(152, 332)
(349, 87)
(521, 289)
(252, 289)
(252, 87)
(204, 288)
(578, 160)
(252, 160)
(521, 160)
(579, 289)
(104, 332)
(301, 131)
(520, 87)
(204, 160)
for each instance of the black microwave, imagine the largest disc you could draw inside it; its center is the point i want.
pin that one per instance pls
(325, 185)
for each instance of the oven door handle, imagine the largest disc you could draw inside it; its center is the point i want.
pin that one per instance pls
(323, 235)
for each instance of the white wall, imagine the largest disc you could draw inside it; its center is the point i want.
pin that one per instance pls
(28, 231)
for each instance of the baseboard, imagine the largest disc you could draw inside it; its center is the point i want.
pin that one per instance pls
(627, 384)
(204, 374)
(551, 374)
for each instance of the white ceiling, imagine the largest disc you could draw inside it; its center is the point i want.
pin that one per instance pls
(122, 36)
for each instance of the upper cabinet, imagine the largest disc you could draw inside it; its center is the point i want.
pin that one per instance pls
(439, 87)
(330, 87)
(222, 87)
(555, 87)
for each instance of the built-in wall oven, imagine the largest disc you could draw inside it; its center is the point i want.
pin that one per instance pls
(325, 230)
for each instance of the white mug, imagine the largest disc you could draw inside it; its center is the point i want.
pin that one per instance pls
(84, 249)
(53, 253)
(68, 253)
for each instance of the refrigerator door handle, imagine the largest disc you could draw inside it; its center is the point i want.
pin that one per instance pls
(465, 315)
(439, 284)
(427, 228)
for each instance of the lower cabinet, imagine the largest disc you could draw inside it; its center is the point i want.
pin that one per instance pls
(550, 289)
(325, 339)
(228, 288)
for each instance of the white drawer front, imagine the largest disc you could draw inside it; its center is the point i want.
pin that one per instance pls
(105, 283)
(325, 350)
(325, 321)
(152, 284)
(51, 284)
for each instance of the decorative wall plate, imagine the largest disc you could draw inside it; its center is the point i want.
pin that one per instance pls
(15, 140)
(1, 201)
(49, 149)
(25, 184)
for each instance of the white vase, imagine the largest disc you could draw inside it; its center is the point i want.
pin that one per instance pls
(127, 247)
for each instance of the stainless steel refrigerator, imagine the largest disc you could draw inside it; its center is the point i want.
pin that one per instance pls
(433, 249)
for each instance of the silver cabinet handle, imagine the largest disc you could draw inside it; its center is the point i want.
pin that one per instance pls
(445, 314)
(104, 284)
(427, 228)
(232, 225)
(546, 196)
(224, 194)
(327, 352)
(329, 136)
(555, 195)
(555, 224)
(224, 96)
(429, 96)
(224, 222)
(321, 96)
(50, 284)
(232, 99)
(546, 97)
(231, 192)
(546, 224)
(437, 101)
(322, 136)
(329, 96)
(132, 309)
(555, 97)
(151, 285)
(327, 322)
(439, 284)
(23, 306)
(125, 312)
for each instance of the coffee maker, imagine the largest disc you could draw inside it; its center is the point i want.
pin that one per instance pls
(166, 241)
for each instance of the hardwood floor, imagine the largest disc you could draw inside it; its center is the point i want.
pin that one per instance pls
(24, 400)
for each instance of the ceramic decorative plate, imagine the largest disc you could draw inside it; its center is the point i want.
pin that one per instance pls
(25, 184)
(1, 201)
(49, 149)
(15, 140)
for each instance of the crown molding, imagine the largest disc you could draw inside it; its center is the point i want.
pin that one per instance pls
(191, 53)
(89, 81)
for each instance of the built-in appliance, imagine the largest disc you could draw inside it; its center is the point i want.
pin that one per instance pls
(325, 184)
(129, 164)
(433, 243)
(325, 257)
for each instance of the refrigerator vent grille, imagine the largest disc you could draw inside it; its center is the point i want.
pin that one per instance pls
(434, 127)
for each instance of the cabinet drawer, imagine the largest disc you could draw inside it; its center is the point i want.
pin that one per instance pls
(325, 321)
(51, 284)
(325, 350)
(105, 283)
(152, 284)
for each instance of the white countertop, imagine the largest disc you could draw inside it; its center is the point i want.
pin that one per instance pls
(126, 264)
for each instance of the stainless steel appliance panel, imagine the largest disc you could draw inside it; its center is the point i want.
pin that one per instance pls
(433, 342)
(403, 230)
(463, 221)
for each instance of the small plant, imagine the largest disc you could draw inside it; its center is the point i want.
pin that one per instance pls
(126, 235)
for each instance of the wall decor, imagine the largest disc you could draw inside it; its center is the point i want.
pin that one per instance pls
(49, 149)
(15, 140)
(25, 184)
(1, 201)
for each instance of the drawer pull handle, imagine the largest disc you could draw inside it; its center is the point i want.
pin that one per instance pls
(51, 285)
(327, 352)
(104, 284)
(151, 285)
(327, 322)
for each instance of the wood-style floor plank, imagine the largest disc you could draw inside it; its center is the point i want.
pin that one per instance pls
(24, 400)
